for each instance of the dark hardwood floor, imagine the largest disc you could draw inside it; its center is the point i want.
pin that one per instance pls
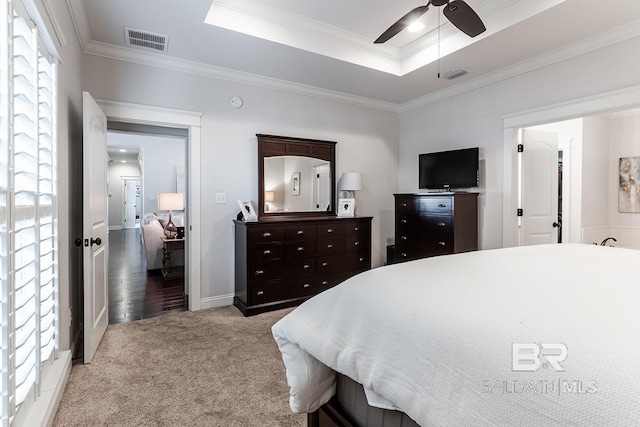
(134, 292)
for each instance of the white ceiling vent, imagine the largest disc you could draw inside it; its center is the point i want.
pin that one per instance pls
(145, 39)
(455, 73)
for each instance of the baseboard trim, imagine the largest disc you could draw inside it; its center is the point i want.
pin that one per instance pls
(214, 302)
(43, 411)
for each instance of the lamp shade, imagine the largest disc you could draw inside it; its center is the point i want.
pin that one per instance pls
(269, 196)
(351, 181)
(170, 202)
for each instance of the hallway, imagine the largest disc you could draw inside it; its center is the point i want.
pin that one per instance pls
(134, 292)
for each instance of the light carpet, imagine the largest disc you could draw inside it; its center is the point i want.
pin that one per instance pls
(212, 367)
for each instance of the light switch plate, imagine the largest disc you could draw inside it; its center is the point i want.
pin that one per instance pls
(221, 198)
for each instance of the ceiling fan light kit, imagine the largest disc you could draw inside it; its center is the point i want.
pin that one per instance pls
(458, 12)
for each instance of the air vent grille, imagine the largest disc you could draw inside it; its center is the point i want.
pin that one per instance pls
(455, 73)
(145, 39)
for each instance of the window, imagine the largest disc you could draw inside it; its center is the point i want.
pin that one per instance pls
(28, 232)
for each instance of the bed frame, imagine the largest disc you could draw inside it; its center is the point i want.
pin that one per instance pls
(349, 408)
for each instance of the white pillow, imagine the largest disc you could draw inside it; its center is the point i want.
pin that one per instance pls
(156, 224)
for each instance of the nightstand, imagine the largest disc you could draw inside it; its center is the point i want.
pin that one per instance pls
(168, 246)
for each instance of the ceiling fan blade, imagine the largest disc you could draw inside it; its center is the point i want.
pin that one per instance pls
(462, 16)
(402, 23)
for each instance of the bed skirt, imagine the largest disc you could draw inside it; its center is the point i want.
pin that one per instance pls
(349, 408)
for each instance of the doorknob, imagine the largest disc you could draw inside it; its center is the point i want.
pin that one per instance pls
(97, 241)
(556, 225)
(78, 242)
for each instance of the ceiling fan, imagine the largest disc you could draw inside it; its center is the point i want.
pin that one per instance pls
(457, 11)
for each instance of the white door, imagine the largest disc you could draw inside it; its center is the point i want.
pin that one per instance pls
(94, 207)
(539, 188)
(130, 209)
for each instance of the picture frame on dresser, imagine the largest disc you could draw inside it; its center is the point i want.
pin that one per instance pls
(346, 208)
(248, 212)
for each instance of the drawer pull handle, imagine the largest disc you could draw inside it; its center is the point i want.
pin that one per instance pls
(260, 293)
(324, 283)
(306, 266)
(306, 285)
(441, 224)
(357, 229)
(324, 264)
(356, 244)
(267, 252)
(329, 246)
(266, 234)
(404, 221)
(403, 237)
(404, 205)
(259, 272)
(301, 248)
(442, 243)
(300, 232)
(442, 205)
(403, 255)
(361, 259)
(330, 230)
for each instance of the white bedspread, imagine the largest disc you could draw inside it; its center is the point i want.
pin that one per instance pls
(433, 338)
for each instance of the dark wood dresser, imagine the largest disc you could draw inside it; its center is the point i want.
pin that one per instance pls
(432, 224)
(282, 262)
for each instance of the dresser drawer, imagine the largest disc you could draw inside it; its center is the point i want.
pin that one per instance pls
(427, 225)
(266, 234)
(418, 248)
(330, 246)
(326, 231)
(282, 289)
(266, 251)
(327, 281)
(406, 204)
(436, 205)
(299, 249)
(353, 261)
(299, 232)
(357, 228)
(279, 269)
(356, 243)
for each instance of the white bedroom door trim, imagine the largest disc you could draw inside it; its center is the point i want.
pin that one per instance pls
(191, 121)
(617, 100)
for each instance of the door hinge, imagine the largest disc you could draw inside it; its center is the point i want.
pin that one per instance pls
(520, 212)
(520, 148)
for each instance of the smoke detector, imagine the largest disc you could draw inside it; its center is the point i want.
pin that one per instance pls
(145, 39)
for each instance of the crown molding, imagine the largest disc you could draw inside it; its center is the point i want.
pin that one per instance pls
(78, 14)
(616, 35)
(80, 23)
(191, 67)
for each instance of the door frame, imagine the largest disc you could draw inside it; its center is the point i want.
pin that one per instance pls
(191, 121)
(123, 208)
(606, 102)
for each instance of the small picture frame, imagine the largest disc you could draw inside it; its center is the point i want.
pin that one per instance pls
(346, 207)
(248, 212)
(295, 184)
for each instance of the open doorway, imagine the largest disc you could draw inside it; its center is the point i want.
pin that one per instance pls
(137, 287)
(587, 167)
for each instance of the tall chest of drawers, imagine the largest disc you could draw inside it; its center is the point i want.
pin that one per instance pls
(281, 263)
(435, 224)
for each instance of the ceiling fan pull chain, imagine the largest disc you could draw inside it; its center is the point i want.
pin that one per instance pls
(438, 45)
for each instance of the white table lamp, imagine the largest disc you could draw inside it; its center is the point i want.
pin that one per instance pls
(169, 202)
(350, 182)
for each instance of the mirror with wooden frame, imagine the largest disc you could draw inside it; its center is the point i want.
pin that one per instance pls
(296, 176)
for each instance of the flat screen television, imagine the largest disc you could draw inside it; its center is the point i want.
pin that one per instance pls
(448, 169)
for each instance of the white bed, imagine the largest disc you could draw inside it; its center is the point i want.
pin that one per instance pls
(433, 338)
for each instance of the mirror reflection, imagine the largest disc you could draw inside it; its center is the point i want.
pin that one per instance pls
(296, 184)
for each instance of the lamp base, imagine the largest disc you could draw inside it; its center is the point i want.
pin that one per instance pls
(170, 230)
